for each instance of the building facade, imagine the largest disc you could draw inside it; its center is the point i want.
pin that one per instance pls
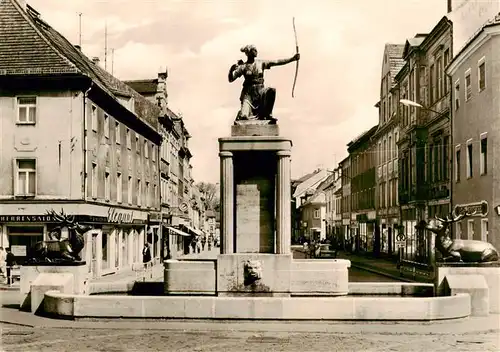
(345, 166)
(74, 138)
(385, 138)
(424, 140)
(475, 78)
(365, 235)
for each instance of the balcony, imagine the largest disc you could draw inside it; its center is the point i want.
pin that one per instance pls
(164, 169)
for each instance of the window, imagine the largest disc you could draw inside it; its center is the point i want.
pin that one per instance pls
(155, 194)
(137, 148)
(469, 158)
(432, 84)
(26, 177)
(94, 118)
(446, 62)
(119, 187)
(129, 190)
(481, 74)
(146, 154)
(118, 138)
(484, 154)
(484, 230)
(470, 229)
(139, 193)
(440, 78)
(458, 230)
(94, 180)
(317, 214)
(445, 162)
(106, 126)
(26, 110)
(153, 153)
(389, 152)
(147, 194)
(107, 189)
(468, 87)
(457, 163)
(129, 139)
(457, 95)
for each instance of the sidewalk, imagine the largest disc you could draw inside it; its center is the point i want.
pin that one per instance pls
(382, 266)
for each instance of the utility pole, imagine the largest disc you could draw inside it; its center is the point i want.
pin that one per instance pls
(80, 30)
(112, 60)
(106, 46)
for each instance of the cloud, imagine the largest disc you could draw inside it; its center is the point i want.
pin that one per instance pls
(341, 45)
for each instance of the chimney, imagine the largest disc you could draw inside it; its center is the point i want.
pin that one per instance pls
(22, 4)
(95, 60)
(78, 47)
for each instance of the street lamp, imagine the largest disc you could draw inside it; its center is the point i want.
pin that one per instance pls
(407, 102)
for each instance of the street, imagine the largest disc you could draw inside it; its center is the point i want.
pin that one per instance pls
(15, 338)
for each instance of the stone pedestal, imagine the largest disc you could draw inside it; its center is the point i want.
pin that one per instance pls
(255, 193)
(490, 272)
(29, 274)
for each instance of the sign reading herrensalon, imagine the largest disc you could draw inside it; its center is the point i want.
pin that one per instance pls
(26, 218)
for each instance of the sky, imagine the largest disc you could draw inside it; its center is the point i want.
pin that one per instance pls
(341, 43)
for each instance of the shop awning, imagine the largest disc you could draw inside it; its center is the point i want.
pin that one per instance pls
(193, 230)
(179, 232)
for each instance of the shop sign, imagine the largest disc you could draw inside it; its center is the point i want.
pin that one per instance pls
(400, 244)
(26, 218)
(154, 217)
(120, 216)
(478, 208)
(18, 251)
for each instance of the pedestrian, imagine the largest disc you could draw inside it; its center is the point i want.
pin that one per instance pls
(9, 260)
(146, 254)
(2, 262)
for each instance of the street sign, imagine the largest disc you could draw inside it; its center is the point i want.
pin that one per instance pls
(400, 244)
(400, 237)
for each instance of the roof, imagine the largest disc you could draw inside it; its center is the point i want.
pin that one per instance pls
(363, 136)
(412, 43)
(144, 86)
(306, 177)
(317, 198)
(490, 23)
(30, 46)
(396, 61)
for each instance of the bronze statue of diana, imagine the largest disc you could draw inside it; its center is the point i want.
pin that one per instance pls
(257, 101)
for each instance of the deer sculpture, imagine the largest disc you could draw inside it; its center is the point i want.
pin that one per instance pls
(58, 249)
(455, 250)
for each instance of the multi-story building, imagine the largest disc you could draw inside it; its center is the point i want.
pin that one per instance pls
(301, 189)
(347, 236)
(424, 141)
(176, 182)
(73, 138)
(333, 215)
(363, 215)
(337, 215)
(386, 138)
(475, 78)
(313, 214)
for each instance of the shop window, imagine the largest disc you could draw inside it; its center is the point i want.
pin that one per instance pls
(25, 179)
(26, 110)
(105, 250)
(484, 230)
(470, 229)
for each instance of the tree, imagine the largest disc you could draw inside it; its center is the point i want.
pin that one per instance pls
(210, 194)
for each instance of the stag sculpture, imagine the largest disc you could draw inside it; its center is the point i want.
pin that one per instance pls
(456, 250)
(58, 249)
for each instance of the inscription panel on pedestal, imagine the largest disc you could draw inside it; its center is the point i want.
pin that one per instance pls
(255, 216)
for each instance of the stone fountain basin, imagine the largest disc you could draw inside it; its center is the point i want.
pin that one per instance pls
(398, 308)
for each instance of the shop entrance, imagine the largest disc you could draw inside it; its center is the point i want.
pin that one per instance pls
(22, 239)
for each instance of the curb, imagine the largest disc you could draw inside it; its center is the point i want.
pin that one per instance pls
(379, 272)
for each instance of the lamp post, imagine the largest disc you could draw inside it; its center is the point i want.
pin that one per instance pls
(407, 102)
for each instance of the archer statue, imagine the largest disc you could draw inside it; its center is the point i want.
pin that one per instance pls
(257, 101)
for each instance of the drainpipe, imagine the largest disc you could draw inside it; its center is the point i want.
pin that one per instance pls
(84, 140)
